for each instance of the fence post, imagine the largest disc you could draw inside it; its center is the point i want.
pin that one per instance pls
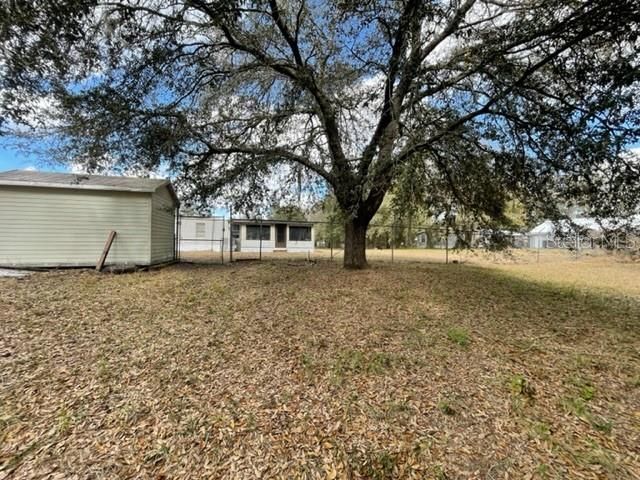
(260, 243)
(230, 236)
(393, 239)
(331, 238)
(446, 245)
(222, 243)
(176, 245)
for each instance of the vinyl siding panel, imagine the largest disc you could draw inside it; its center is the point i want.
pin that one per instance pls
(216, 232)
(163, 222)
(68, 227)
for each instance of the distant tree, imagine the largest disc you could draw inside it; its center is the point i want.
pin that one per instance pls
(483, 100)
(516, 214)
(288, 212)
(379, 232)
(330, 219)
(189, 211)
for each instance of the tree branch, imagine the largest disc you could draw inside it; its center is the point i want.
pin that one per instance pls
(393, 102)
(284, 30)
(274, 154)
(412, 149)
(299, 74)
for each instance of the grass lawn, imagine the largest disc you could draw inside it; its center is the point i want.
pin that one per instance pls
(279, 370)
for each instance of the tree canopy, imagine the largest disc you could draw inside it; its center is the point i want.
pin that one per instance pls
(468, 102)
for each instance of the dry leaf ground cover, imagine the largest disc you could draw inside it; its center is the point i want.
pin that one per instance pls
(595, 270)
(269, 370)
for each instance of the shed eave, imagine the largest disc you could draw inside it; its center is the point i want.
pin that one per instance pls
(172, 191)
(10, 183)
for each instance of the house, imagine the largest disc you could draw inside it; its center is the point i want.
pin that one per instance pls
(272, 236)
(217, 233)
(435, 239)
(64, 219)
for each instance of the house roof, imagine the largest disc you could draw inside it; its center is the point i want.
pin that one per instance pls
(80, 181)
(271, 221)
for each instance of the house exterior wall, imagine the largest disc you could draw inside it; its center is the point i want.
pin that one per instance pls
(300, 246)
(68, 227)
(163, 225)
(422, 240)
(437, 241)
(254, 245)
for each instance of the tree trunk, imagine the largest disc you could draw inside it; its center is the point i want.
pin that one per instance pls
(355, 240)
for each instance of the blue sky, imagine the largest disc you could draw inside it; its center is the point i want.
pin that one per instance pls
(11, 158)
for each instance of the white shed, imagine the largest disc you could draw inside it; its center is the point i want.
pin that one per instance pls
(542, 235)
(63, 219)
(203, 233)
(546, 235)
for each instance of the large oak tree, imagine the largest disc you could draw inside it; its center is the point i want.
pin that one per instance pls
(489, 99)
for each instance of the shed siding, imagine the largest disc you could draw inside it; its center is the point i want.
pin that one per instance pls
(67, 227)
(162, 226)
(215, 234)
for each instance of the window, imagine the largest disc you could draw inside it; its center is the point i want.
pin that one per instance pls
(253, 232)
(200, 230)
(235, 230)
(300, 234)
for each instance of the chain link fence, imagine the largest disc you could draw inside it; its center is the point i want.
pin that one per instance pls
(218, 240)
(203, 239)
(402, 242)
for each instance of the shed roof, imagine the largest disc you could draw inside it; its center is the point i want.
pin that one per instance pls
(586, 223)
(548, 227)
(81, 181)
(545, 227)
